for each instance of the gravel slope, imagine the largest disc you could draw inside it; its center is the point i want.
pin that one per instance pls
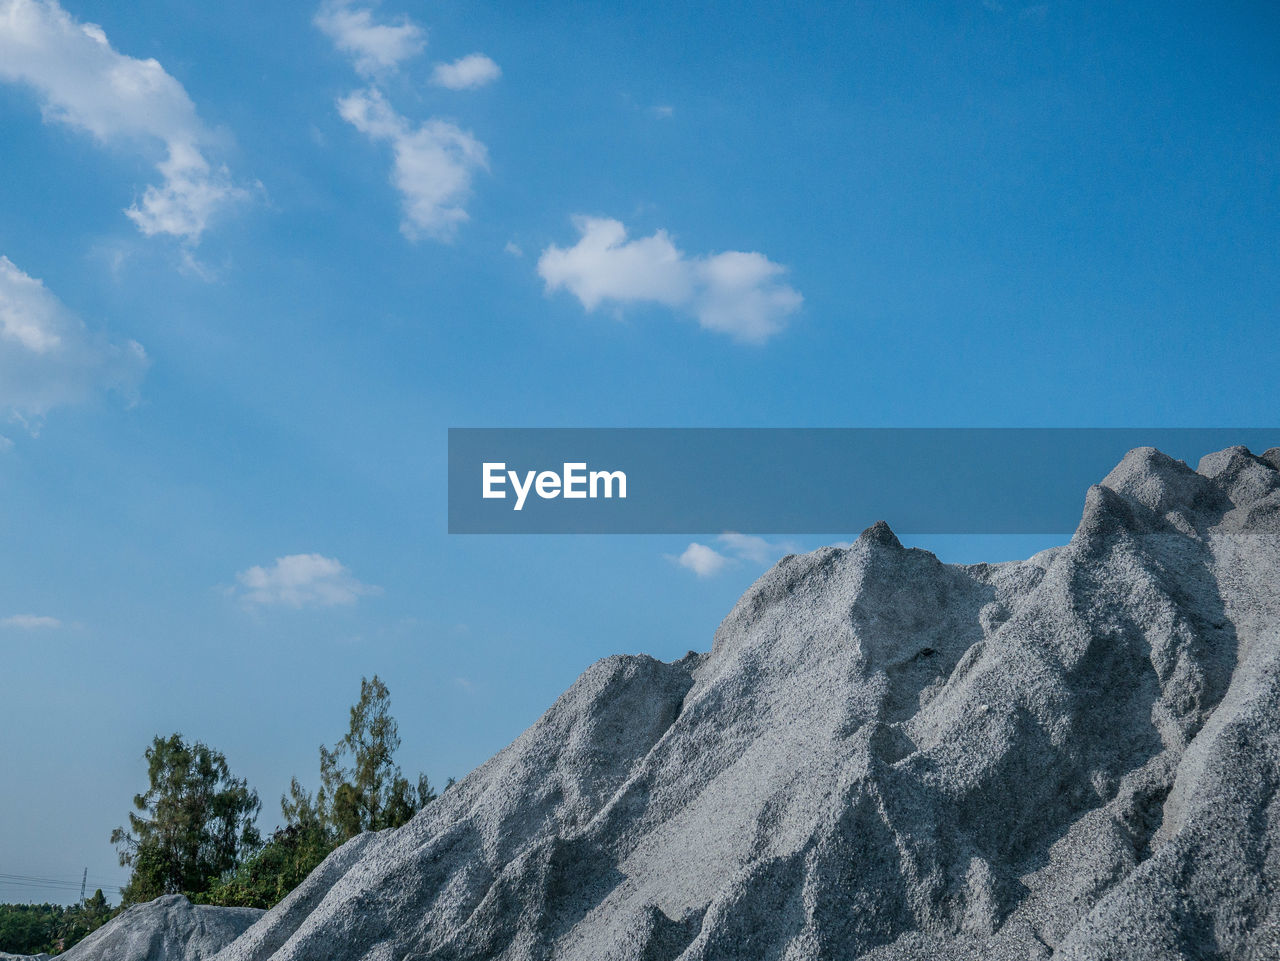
(884, 757)
(166, 929)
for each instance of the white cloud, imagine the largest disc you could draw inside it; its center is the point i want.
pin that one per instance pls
(604, 265)
(302, 580)
(434, 162)
(466, 73)
(513, 249)
(30, 622)
(83, 82)
(742, 296)
(735, 549)
(754, 549)
(751, 548)
(702, 560)
(737, 293)
(48, 357)
(373, 47)
(662, 112)
(192, 193)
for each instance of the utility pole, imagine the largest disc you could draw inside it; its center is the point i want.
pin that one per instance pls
(84, 880)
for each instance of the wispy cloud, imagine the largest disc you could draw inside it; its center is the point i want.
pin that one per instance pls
(662, 112)
(372, 46)
(434, 163)
(48, 357)
(736, 293)
(757, 550)
(735, 549)
(466, 73)
(81, 81)
(302, 580)
(30, 622)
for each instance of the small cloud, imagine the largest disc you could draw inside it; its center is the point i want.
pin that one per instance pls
(662, 112)
(433, 166)
(193, 191)
(513, 249)
(465, 684)
(754, 549)
(6, 444)
(373, 47)
(748, 547)
(736, 292)
(302, 580)
(30, 622)
(735, 549)
(434, 162)
(467, 73)
(115, 254)
(48, 357)
(702, 560)
(192, 266)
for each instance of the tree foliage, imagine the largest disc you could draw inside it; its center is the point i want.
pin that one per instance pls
(30, 928)
(193, 832)
(81, 920)
(361, 786)
(194, 823)
(52, 928)
(361, 789)
(290, 854)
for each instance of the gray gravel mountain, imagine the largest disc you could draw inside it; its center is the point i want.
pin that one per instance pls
(166, 929)
(884, 757)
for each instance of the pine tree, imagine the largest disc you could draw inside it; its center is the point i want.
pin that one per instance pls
(361, 786)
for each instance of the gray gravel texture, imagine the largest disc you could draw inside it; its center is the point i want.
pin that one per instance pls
(885, 757)
(166, 929)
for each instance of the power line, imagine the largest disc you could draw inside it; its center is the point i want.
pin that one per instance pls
(32, 877)
(62, 888)
(58, 883)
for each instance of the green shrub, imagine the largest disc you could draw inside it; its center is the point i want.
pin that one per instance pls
(262, 881)
(51, 928)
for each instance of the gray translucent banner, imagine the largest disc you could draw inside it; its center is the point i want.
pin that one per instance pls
(801, 481)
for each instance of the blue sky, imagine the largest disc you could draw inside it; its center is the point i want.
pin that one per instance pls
(258, 259)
